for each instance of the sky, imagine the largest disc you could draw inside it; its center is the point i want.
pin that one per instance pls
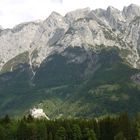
(13, 12)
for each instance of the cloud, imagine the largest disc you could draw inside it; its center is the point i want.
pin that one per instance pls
(57, 1)
(13, 2)
(1, 13)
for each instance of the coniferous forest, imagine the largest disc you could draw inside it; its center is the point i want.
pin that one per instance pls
(119, 127)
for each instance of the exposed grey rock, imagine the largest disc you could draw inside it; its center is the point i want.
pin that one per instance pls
(131, 11)
(1, 28)
(16, 41)
(76, 15)
(49, 32)
(83, 27)
(136, 78)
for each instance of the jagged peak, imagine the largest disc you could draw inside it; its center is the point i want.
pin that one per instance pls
(99, 11)
(113, 11)
(54, 15)
(113, 16)
(53, 20)
(131, 11)
(1, 28)
(133, 6)
(77, 14)
(111, 8)
(22, 25)
(82, 10)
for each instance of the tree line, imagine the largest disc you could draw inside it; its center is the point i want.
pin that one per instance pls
(119, 127)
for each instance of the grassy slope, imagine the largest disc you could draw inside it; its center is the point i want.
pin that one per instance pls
(63, 88)
(108, 90)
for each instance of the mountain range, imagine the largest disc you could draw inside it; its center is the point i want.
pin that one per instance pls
(83, 64)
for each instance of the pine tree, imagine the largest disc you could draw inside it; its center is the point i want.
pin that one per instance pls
(2, 133)
(29, 118)
(22, 131)
(137, 126)
(50, 136)
(60, 134)
(6, 119)
(90, 134)
(119, 136)
(125, 125)
(96, 128)
(76, 132)
(41, 131)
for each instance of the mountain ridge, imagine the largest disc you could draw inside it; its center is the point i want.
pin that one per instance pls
(86, 61)
(109, 19)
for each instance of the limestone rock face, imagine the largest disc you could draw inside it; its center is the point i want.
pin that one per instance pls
(84, 28)
(131, 11)
(72, 65)
(47, 35)
(16, 41)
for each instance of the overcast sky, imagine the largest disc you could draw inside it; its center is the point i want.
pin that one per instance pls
(13, 12)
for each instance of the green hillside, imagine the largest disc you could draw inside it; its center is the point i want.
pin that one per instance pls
(75, 83)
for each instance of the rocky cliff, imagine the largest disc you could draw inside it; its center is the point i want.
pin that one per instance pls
(88, 59)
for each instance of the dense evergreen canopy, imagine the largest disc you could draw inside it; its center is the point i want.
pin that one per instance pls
(106, 128)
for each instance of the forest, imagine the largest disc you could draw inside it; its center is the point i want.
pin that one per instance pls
(120, 127)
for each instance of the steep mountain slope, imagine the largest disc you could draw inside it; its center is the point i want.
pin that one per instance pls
(84, 64)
